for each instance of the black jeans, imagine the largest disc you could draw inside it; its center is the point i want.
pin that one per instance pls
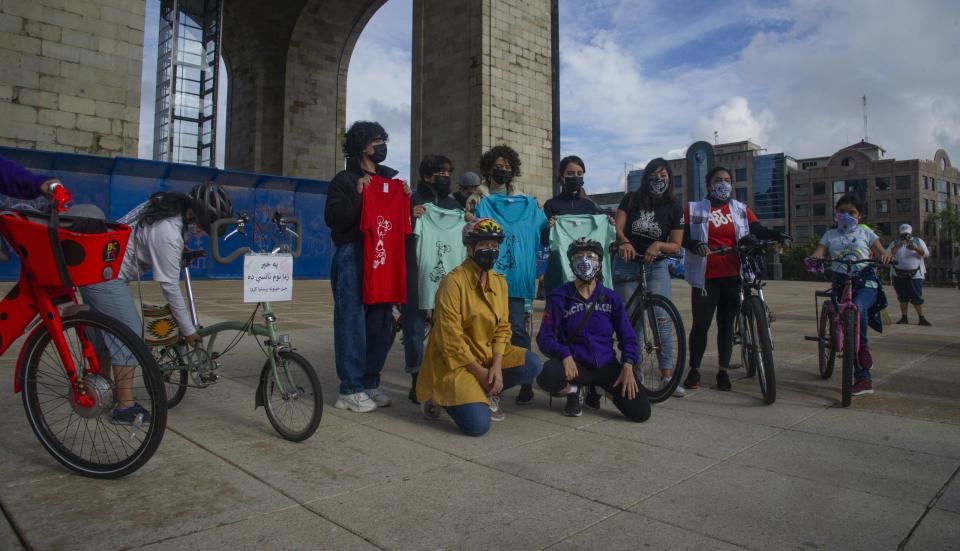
(552, 379)
(723, 297)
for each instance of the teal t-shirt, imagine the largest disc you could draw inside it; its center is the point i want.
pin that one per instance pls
(522, 221)
(439, 234)
(567, 229)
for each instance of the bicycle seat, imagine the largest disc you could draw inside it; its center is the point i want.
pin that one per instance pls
(189, 256)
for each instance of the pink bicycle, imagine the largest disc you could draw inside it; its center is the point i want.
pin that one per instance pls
(838, 325)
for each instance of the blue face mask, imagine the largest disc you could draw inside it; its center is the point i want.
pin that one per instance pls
(846, 223)
(720, 191)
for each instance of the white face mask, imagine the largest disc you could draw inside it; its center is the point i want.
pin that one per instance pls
(584, 267)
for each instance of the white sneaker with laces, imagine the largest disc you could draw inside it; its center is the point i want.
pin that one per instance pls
(359, 402)
(496, 414)
(678, 392)
(379, 396)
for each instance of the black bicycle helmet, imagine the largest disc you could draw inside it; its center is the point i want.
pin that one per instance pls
(211, 203)
(584, 244)
(484, 228)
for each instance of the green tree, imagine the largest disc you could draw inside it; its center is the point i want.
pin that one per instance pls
(792, 260)
(948, 220)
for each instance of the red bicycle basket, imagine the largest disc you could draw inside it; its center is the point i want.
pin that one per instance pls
(92, 254)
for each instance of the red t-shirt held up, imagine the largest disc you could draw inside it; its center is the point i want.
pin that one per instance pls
(721, 232)
(385, 222)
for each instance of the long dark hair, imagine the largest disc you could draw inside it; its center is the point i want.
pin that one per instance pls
(641, 198)
(163, 205)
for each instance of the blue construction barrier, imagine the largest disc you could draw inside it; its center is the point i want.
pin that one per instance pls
(117, 185)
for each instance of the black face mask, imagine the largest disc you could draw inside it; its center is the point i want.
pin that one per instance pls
(379, 153)
(486, 258)
(441, 185)
(502, 177)
(572, 184)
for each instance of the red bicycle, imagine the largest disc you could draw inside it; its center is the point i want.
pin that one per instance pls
(76, 367)
(838, 326)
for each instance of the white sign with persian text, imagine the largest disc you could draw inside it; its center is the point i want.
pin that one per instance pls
(267, 277)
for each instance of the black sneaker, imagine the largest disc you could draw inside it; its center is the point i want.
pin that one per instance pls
(923, 321)
(592, 400)
(413, 388)
(525, 396)
(723, 380)
(902, 321)
(574, 406)
(135, 414)
(693, 379)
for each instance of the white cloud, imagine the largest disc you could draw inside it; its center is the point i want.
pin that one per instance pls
(733, 121)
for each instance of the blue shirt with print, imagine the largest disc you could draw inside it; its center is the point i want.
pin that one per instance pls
(522, 221)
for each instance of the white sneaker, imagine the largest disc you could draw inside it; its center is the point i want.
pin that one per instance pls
(359, 402)
(496, 414)
(379, 396)
(678, 392)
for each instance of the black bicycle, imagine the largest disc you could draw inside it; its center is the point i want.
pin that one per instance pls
(660, 332)
(753, 331)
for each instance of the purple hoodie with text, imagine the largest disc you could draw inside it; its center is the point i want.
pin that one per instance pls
(593, 346)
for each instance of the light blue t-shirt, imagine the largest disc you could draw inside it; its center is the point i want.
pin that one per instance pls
(848, 246)
(522, 221)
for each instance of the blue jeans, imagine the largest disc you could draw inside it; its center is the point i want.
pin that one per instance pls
(362, 335)
(413, 321)
(474, 419)
(658, 282)
(518, 323)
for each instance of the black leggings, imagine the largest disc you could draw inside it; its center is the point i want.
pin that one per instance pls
(552, 379)
(722, 296)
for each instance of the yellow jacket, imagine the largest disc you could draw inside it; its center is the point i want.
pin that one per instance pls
(470, 324)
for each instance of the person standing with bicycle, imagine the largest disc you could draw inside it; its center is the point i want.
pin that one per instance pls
(577, 331)
(713, 223)
(850, 240)
(909, 251)
(649, 222)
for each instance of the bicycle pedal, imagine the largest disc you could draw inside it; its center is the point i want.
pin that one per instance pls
(209, 378)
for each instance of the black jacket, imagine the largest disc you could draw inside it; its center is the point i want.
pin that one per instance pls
(424, 194)
(342, 212)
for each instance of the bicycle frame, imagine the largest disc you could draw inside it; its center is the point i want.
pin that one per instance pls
(837, 309)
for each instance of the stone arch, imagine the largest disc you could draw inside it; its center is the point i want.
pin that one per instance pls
(860, 158)
(942, 160)
(314, 113)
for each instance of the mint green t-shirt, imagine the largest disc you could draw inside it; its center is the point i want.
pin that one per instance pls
(569, 227)
(439, 249)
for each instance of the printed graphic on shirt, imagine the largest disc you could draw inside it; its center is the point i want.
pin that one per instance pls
(507, 260)
(718, 218)
(646, 225)
(380, 255)
(605, 307)
(439, 270)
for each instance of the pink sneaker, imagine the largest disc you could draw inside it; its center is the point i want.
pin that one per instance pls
(861, 387)
(865, 357)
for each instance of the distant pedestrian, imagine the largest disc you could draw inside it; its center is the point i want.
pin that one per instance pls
(910, 271)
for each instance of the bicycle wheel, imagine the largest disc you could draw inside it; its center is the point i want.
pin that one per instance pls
(746, 338)
(826, 345)
(295, 409)
(88, 440)
(661, 346)
(761, 348)
(849, 318)
(174, 380)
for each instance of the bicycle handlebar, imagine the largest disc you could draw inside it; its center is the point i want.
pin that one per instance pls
(281, 222)
(615, 247)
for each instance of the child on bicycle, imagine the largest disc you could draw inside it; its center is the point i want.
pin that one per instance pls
(159, 229)
(579, 322)
(850, 240)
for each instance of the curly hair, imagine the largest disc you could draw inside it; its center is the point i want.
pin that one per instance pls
(359, 136)
(490, 157)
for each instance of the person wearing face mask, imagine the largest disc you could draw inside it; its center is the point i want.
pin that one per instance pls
(579, 323)
(469, 360)
(470, 192)
(909, 251)
(432, 189)
(649, 222)
(160, 228)
(362, 334)
(715, 222)
(523, 221)
(851, 240)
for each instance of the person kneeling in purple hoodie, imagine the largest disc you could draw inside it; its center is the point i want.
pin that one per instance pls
(577, 335)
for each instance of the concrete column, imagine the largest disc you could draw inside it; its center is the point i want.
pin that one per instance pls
(483, 76)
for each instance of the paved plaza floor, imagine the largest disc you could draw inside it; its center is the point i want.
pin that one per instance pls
(714, 470)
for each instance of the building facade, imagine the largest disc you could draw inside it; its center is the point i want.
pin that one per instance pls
(893, 193)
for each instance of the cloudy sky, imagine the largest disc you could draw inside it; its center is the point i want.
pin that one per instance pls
(645, 78)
